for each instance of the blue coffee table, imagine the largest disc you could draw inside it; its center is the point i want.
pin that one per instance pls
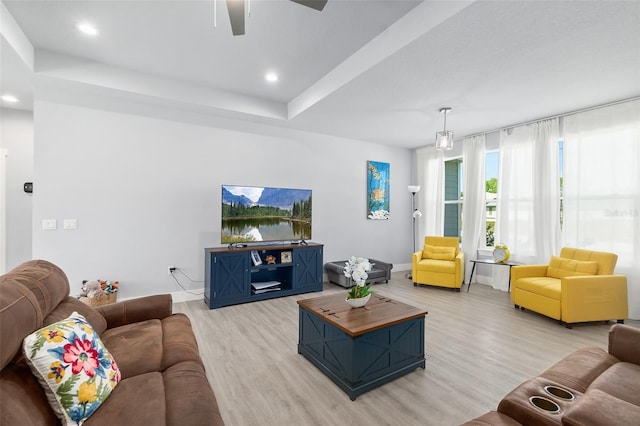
(363, 348)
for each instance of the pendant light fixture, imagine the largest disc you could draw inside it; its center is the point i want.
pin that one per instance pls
(444, 139)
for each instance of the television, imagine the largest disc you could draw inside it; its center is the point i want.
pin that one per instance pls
(254, 214)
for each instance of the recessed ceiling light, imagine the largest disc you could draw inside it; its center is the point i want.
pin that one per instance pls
(9, 98)
(271, 77)
(87, 28)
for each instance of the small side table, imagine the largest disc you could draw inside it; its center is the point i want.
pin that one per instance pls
(508, 263)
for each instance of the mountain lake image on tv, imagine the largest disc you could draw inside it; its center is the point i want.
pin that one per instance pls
(261, 214)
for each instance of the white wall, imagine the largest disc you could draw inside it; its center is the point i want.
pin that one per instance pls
(146, 192)
(16, 143)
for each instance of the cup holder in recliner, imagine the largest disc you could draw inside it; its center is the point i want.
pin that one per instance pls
(545, 404)
(559, 392)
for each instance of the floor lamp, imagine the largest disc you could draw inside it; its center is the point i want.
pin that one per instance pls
(415, 214)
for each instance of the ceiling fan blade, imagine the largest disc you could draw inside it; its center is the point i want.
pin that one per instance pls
(314, 4)
(236, 16)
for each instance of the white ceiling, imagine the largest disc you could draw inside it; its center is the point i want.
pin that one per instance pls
(370, 70)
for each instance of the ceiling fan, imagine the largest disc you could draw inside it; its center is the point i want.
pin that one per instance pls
(236, 12)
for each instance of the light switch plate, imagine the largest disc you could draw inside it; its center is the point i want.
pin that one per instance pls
(49, 224)
(70, 224)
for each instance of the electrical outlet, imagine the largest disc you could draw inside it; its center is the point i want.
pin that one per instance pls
(170, 269)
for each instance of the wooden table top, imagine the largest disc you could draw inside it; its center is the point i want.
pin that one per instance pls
(379, 312)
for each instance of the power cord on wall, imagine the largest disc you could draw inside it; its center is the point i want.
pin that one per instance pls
(173, 275)
(188, 277)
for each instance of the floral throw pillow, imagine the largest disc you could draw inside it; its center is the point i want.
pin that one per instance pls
(73, 366)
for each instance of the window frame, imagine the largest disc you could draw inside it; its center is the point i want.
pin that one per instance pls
(453, 167)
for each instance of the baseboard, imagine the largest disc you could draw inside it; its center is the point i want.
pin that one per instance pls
(401, 267)
(183, 296)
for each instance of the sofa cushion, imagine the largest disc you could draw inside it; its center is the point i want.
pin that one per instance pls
(597, 408)
(75, 369)
(544, 286)
(158, 344)
(623, 343)
(178, 341)
(47, 283)
(606, 261)
(70, 305)
(432, 265)
(621, 380)
(580, 368)
(28, 293)
(138, 400)
(22, 399)
(190, 400)
(18, 317)
(560, 267)
(438, 252)
(181, 395)
(137, 347)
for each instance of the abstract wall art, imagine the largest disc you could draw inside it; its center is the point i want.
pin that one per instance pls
(377, 190)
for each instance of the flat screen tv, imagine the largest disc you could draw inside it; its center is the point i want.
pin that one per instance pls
(253, 214)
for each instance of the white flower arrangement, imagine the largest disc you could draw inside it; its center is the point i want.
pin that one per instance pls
(356, 268)
(379, 214)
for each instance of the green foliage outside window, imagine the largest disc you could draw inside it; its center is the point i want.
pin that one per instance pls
(491, 185)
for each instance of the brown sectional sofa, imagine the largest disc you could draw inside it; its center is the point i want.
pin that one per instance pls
(163, 378)
(587, 387)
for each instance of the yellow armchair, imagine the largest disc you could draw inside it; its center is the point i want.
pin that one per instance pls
(439, 263)
(577, 286)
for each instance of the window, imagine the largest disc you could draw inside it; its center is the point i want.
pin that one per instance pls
(453, 198)
(491, 195)
(453, 195)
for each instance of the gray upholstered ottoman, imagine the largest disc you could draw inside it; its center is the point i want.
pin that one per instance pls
(380, 271)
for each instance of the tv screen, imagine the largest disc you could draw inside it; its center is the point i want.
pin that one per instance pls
(257, 214)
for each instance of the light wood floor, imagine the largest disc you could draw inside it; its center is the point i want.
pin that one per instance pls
(478, 348)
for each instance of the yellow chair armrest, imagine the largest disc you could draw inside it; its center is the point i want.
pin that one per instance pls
(573, 285)
(459, 261)
(594, 298)
(523, 271)
(460, 267)
(415, 258)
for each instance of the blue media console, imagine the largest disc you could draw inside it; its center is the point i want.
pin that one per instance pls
(232, 275)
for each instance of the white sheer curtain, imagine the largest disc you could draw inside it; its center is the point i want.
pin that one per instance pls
(528, 210)
(473, 211)
(431, 195)
(546, 189)
(602, 187)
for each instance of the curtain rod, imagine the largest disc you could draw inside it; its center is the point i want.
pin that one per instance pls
(566, 114)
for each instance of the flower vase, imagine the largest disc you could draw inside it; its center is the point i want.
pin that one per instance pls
(359, 302)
